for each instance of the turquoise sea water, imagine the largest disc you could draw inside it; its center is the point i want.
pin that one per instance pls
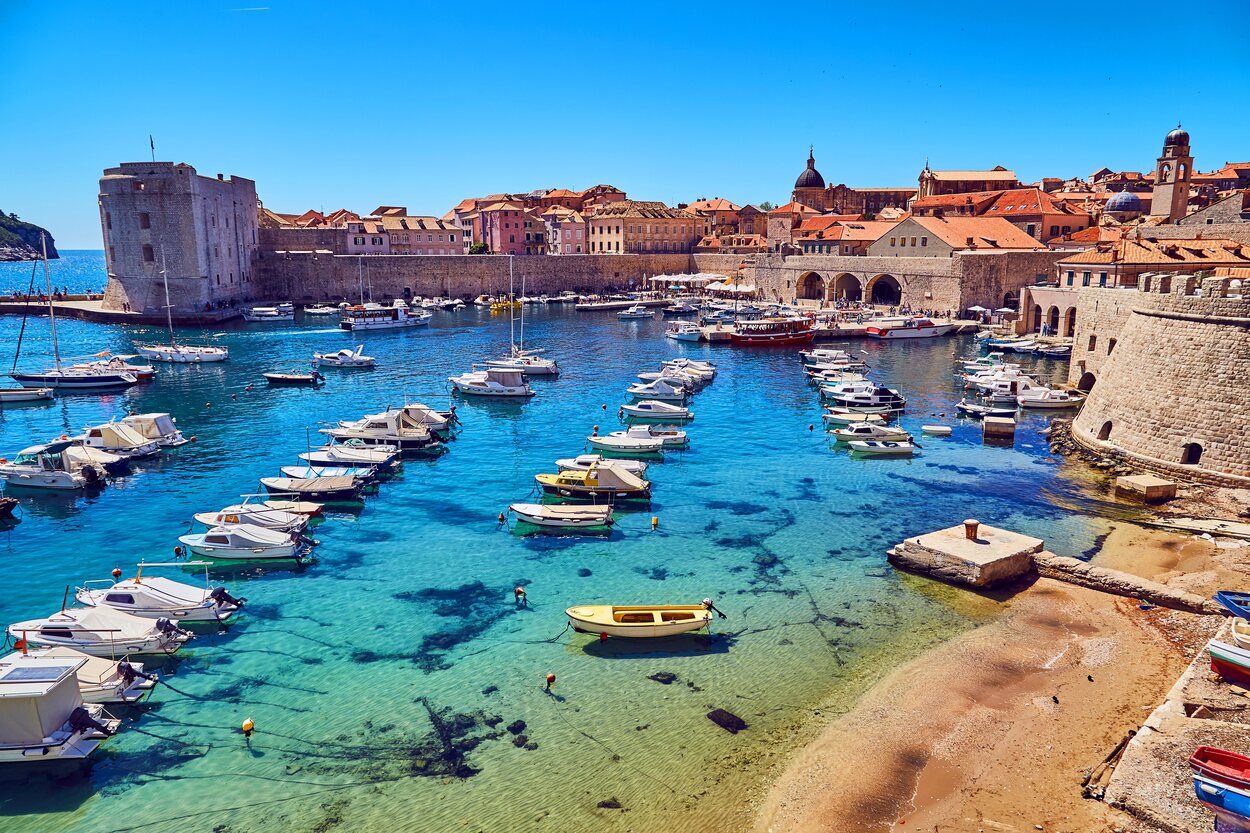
(383, 678)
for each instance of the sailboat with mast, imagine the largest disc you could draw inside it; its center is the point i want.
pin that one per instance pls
(89, 377)
(175, 352)
(518, 358)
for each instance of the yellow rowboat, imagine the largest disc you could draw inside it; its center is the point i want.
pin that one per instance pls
(639, 621)
(601, 480)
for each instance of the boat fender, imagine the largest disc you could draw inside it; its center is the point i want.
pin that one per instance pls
(222, 597)
(178, 552)
(551, 680)
(193, 438)
(811, 427)
(595, 432)
(603, 636)
(80, 720)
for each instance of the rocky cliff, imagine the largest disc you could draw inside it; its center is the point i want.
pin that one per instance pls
(19, 240)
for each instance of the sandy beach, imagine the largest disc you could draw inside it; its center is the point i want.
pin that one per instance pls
(996, 729)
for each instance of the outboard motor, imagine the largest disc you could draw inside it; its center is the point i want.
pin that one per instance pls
(171, 630)
(80, 720)
(223, 598)
(129, 674)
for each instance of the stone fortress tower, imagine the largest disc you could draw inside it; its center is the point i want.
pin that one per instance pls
(203, 230)
(1173, 171)
(1172, 394)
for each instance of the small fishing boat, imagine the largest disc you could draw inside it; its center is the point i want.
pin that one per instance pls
(1222, 784)
(345, 358)
(43, 716)
(583, 462)
(50, 466)
(639, 621)
(320, 489)
(1230, 662)
(978, 411)
(605, 481)
(525, 361)
(867, 397)
(1057, 351)
(241, 543)
(870, 431)
(1235, 602)
(936, 430)
(654, 409)
(674, 376)
(676, 310)
(320, 309)
(845, 416)
(915, 327)
(120, 439)
(703, 370)
(636, 311)
(100, 680)
(307, 508)
(563, 517)
(685, 331)
(158, 427)
(821, 355)
(102, 632)
(882, 448)
(363, 473)
(986, 364)
(670, 435)
(282, 312)
(621, 442)
(492, 382)
(395, 429)
(658, 390)
(1025, 346)
(353, 453)
(255, 514)
(154, 597)
(1049, 398)
(15, 395)
(294, 378)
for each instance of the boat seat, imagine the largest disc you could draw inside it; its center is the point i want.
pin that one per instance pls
(634, 617)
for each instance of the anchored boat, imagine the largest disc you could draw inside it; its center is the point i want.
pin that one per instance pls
(563, 517)
(42, 713)
(102, 632)
(605, 481)
(639, 621)
(241, 542)
(154, 597)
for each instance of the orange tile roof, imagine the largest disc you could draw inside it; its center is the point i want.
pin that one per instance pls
(714, 204)
(1140, 250)
(985, 232)
(1089, 236)
(1027, 202)
(793, 208)
(975, 199)
(996, 174)
(643, 208)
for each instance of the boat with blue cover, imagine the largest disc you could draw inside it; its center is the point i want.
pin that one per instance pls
(1235, 602)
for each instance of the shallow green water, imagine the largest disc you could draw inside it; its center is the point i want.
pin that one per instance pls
(403, 636)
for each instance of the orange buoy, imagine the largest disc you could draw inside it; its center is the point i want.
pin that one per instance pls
(117, 572)
(655, 521)
(178, 551)
(248, 727)
(551, 680)
(603, 637)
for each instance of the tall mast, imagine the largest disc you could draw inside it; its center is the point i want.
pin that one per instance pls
(169, 315)
(47, 277)
(360, 273)
(511, 311)
(522, 346)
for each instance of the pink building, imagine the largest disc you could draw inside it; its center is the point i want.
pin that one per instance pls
(508, 228)
(566, 231)
(367, 237)
(422, 235)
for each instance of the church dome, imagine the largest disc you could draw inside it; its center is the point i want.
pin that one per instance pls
(810, 178)
(1125, 202)
(1176, 137)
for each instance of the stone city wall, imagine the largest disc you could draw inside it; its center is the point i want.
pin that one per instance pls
(1173, 395)
(1100, 316)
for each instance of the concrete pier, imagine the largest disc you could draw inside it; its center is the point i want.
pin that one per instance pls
(972, 554)
(1145, 487)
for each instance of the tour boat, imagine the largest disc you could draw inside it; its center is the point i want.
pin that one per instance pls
(916, 327)
(977, 411)
(779, 332)
(870, 431)
(563, 517)
(639, 621)
(320, 489)
(158, 427)
(13, 395)
(282, 312)
(670, 436)
(677, 310)
(1222, 784)
(845, 416)
(1230, 662)
(396, 428)
(1049, 398)
(583, 462)
(345, 358)
(154, 597)
(255, 514)
(42, 713)
(936, 430)
(654, 409)
(882, 448)
(377, 317)
(49, 466)
(621, 442)
(636, 311)
(120, 439)
(102, 632)
(659, 390)
(320, 309)
(241, 543)
(312, 379)
(492, 382)
(352, 453)
(685, 331)
(604, 481)
(100, 680)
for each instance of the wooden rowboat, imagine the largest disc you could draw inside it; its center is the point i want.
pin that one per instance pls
(313, 378)
(639, 621)
(563, 517)
(1230, 662)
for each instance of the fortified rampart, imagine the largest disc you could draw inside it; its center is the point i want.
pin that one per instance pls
(1167, 375)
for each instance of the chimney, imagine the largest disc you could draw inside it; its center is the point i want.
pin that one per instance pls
(221, 177)
(970, 244)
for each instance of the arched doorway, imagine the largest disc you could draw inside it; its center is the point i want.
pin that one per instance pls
(885, 289)
(1052, 320)
(1010, 300)
(847, 288)
(1104, 433)
(1037, 319)
(1086, 384)
(1191, 453)
(1069, 322)
(811, 287)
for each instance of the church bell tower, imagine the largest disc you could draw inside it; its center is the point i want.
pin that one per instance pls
(1173, 171)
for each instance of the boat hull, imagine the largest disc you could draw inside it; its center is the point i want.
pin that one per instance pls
(898, 333)
(25, 394)
(584, 620)
(98, 381)
(181, 355)
(1230, 805)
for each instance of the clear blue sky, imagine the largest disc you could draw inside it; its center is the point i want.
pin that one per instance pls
(420, 104)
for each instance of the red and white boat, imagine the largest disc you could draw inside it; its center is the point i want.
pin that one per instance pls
(1230, 662)
(917, 327)
(781, 332)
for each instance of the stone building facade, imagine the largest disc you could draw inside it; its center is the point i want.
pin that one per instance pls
(642, 227)
(201, 230)
(1164, 364)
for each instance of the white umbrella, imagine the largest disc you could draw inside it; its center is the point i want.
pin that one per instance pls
(1004, 310)
(977, 309)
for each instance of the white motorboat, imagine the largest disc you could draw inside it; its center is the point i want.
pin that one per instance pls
(912, 327)
(307, 472)
(120, 439)
(161, 428)
(636, 311)
(694, 368)
(866, 395)
(42, 713)
(870, 431)
(623, 441)
(976, 410)
(563, 516)
(671, 435)
(155, 597)
(987, 363)
(320, 309)
(278, 313)
(340, 489)
(1049, 398)
(831, 378)
(822, 355)
(845, 416)
(398, 428)
(255, 514)
(685, 331)
(183, 353)
(656, 410)
(584, 462)
(352, 453)
(640, 621)
(936, 430)
(492, 382)
(1010, 387)
(241, 542)
(49, 466)
(345, 358)
(378, 317)
(882, 448)
(525, 361)
(1054, 351)
(659, 390)
(14, 395)
(1025, 346)
(102, 632)
(118, 364)
(100, 680)
(439, 422)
